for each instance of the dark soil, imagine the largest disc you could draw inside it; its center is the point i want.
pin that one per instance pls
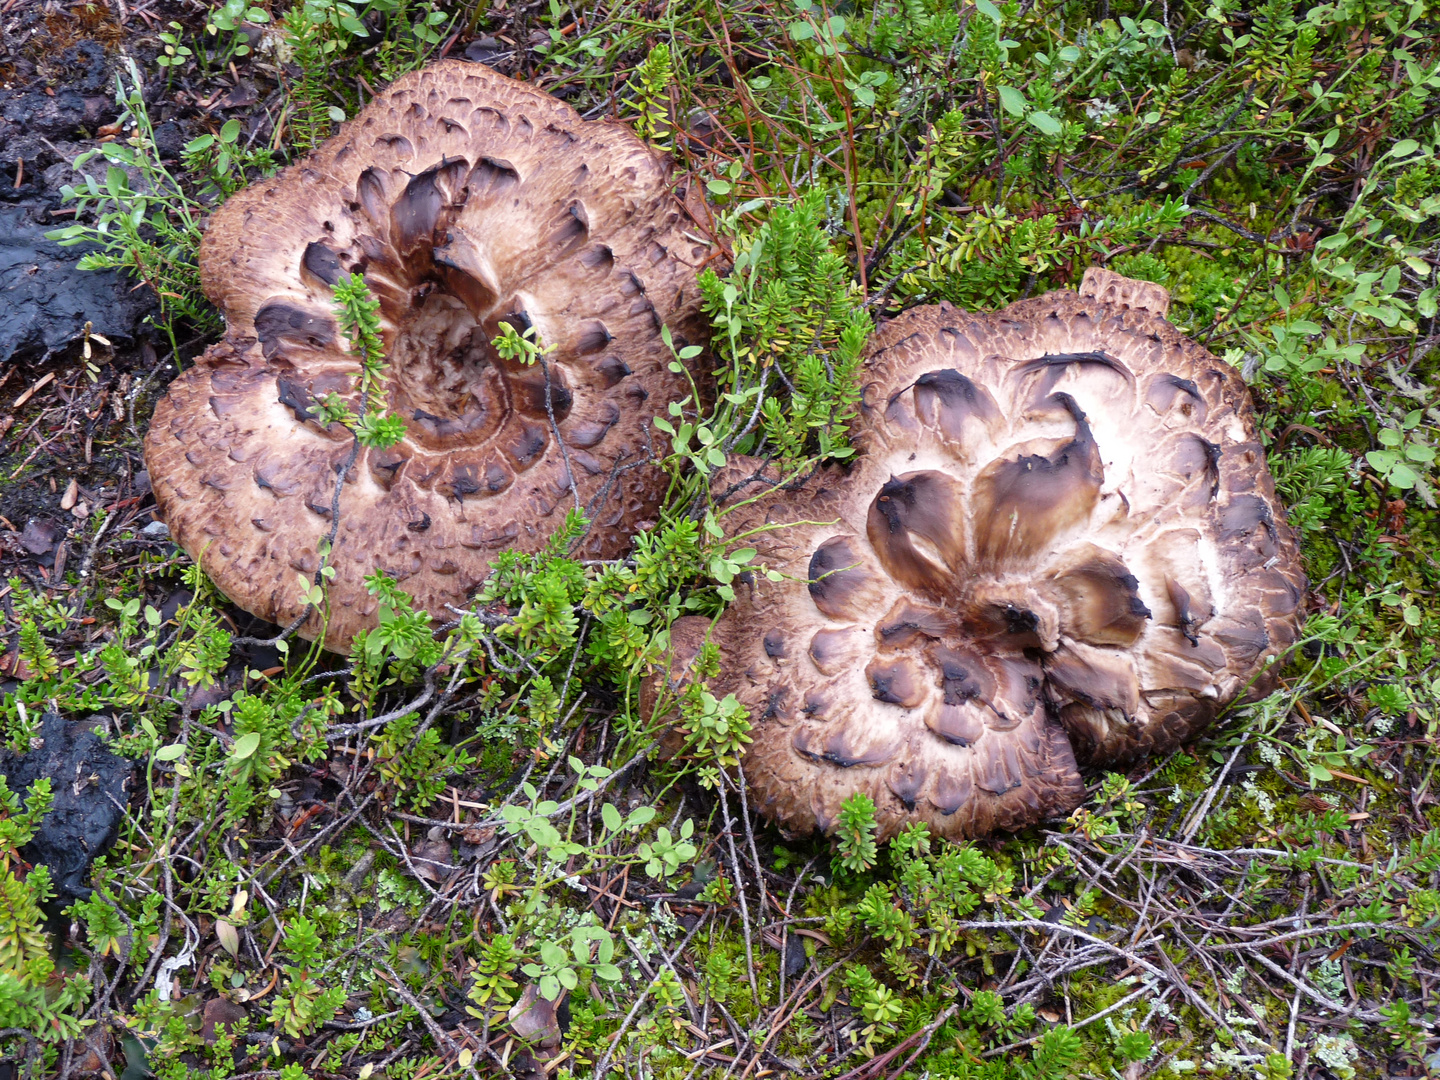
(61, 424)
(91, 787)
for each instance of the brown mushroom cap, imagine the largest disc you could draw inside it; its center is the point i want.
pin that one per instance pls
(467, 200)
(1059, 532)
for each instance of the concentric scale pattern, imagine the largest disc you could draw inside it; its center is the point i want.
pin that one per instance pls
(467, 200)
(1059, 543)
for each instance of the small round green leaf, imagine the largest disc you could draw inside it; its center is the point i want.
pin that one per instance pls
(1045, 123)
(1012, 101)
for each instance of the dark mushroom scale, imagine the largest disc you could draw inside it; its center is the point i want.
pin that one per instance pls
(467, 200)
(1059, 544)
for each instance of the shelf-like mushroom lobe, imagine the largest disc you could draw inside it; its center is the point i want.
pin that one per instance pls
(1059, 543)
(466, 200)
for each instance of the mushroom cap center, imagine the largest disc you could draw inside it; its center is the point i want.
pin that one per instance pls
(447, 380)
(441, 306)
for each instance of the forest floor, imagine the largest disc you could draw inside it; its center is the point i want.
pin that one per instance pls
(292, 892)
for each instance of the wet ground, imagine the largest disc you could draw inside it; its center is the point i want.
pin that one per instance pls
(74, 497)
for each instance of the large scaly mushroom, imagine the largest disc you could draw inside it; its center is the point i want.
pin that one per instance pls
(467, 200)
(1059, 542)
